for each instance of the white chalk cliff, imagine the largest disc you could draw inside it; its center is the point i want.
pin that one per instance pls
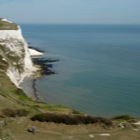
(15, 58)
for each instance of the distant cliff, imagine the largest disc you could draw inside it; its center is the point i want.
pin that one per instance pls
(15, 58)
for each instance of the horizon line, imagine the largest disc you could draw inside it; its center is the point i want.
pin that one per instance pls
(80, 23)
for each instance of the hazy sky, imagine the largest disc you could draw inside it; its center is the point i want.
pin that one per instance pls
(71, 11)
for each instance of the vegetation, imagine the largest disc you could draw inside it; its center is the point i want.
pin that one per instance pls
(13, 113)
(123, 117)
(4, 25)
(70, 119)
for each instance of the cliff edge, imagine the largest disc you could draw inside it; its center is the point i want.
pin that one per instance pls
(15, 58)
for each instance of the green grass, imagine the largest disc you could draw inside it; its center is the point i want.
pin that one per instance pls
(123, 117)
(4, 25)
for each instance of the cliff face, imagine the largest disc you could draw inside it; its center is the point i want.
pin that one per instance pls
(15, 58)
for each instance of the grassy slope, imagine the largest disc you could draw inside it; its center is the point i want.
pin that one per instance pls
(18, 130)
(4, 25)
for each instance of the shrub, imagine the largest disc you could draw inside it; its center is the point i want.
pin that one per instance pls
(13, 113)
(18, 91)
(123, 117)
(75, 112)
(22, 112)
(70, 119)
(9, 112)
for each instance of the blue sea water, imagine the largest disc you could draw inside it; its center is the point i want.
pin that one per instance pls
(99, 68)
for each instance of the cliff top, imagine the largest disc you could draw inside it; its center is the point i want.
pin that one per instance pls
(7, 25)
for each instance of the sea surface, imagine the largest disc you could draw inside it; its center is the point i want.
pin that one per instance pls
(98, 71)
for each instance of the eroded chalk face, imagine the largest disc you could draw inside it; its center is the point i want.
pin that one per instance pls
(15, 56)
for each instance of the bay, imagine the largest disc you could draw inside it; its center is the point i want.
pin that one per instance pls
(99, 68)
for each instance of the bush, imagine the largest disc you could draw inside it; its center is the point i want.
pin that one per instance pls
(13, 113)
(18, 91)
(75, 112)
(22, 112)
(123, 117)
(70, 119)
(9, 112)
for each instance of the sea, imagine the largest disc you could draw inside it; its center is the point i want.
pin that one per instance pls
(98, 71)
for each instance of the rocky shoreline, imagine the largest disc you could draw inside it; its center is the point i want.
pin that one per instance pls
(45, 65)
(45, 68)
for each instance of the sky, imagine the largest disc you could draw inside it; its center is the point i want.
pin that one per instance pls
(71, 11)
